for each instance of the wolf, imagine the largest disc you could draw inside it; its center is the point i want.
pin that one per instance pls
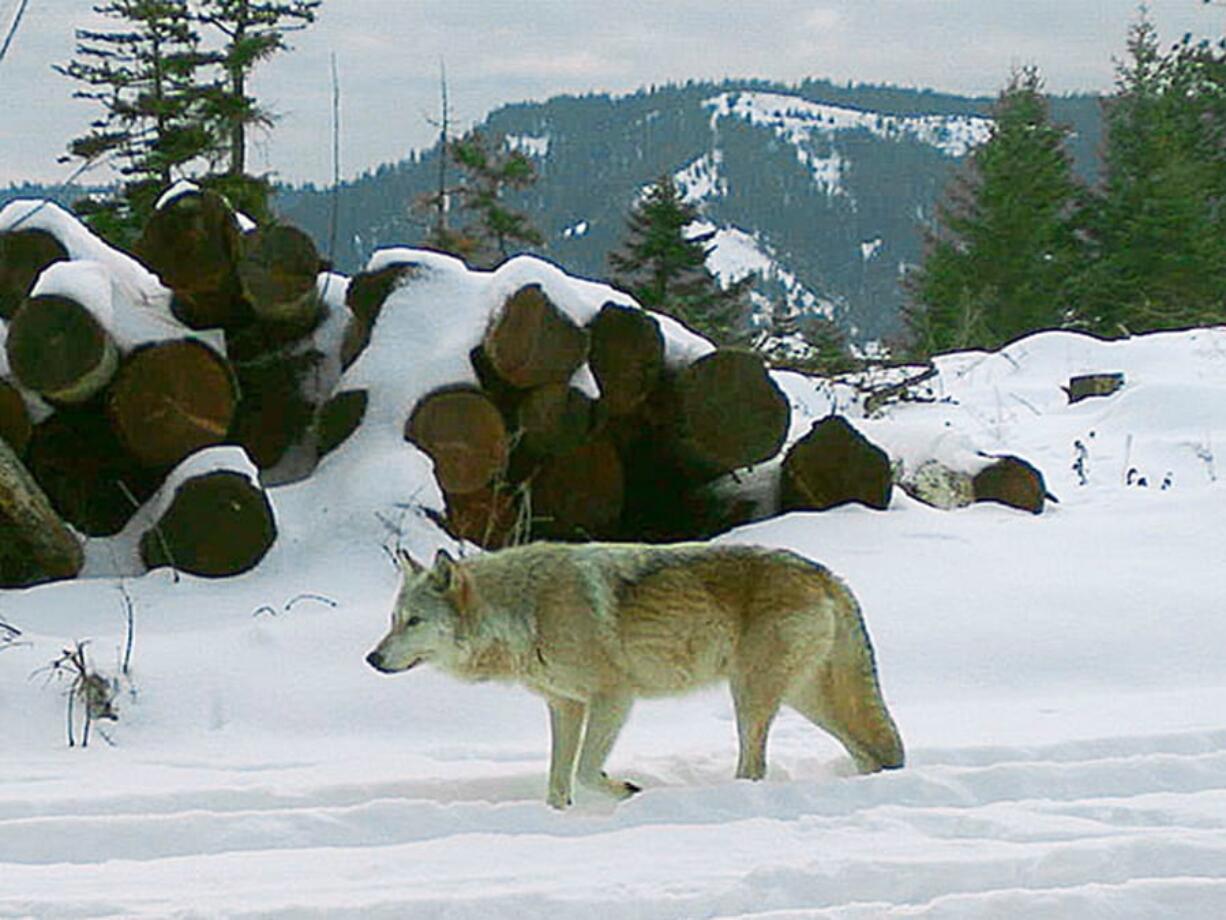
(591, 627)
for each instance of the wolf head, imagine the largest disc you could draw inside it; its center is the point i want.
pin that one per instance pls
(427, 618)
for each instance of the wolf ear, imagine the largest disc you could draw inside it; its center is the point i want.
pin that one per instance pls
(448, 578)
(408, 564)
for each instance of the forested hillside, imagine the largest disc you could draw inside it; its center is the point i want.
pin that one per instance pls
(821, 188)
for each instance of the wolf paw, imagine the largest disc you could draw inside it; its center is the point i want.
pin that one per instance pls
(619, 789)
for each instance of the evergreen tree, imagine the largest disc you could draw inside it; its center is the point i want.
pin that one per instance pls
(664, 266)
(145, 74)
(496, 230)
(251, 31)
(1005, 247)
(1159, 227)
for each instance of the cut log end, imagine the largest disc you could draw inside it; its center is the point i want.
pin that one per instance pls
(579, 495)
(727, 413)
(338, 418)
(278, 271)
(59, 350)
(23, 256)
(1011, 481)
(37, 544)
(554, 419)
(531, 342)
(832, 465)
(15, 424)
(464, 434)
(171, 399)
(218, 524)
(627, 356)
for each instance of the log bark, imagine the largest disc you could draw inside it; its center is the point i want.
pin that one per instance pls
(192, 244)
(38, 545)
(15, 424)
(723, 412)
(59, 350)
(278, 269)
(531, 342)
(171, 399)
(90, 479)
(579, 495)
(832, 465)
(1011, 481)
(218, 524)
(338, 418)
(626, 356)
(554, 419)
(464, 434)
(23, 256)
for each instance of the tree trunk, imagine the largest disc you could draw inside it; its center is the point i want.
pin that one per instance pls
(218, 524)
(91, 480)
(338, 418)
(278, 271)
(834, 464)
(723, 412)
(192, 244)
(38, 545)
(59, 350)
(23, 256)
(531, 342)
(579, 495)
(170, 399)
(627, 355)
(465, 436)
(15, 425)
(554, 419)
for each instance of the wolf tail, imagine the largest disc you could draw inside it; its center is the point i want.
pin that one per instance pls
(843, 696)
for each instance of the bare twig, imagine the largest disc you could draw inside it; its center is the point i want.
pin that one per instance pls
(12, 29)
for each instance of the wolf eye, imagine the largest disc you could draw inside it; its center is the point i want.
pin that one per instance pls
(413, 621)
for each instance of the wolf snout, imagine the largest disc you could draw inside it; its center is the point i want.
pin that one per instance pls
(375, 660)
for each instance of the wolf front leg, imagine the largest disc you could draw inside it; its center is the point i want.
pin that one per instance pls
(565, 728)
(606, 716)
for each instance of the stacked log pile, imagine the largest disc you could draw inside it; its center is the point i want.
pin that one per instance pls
(125, 413)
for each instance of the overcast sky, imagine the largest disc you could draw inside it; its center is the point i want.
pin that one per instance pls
(497, 51)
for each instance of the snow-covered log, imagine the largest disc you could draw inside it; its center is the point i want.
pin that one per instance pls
(212, 517)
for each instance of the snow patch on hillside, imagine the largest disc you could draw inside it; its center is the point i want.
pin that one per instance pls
(800, 122)
(736, 253)
(536, 146)
(701, 179)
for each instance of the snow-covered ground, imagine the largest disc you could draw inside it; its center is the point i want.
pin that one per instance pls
(1060, 681)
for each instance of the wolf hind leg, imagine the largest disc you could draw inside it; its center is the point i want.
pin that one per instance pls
(565, 729)
(756, 699)
(843, 698)
(606, 715)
